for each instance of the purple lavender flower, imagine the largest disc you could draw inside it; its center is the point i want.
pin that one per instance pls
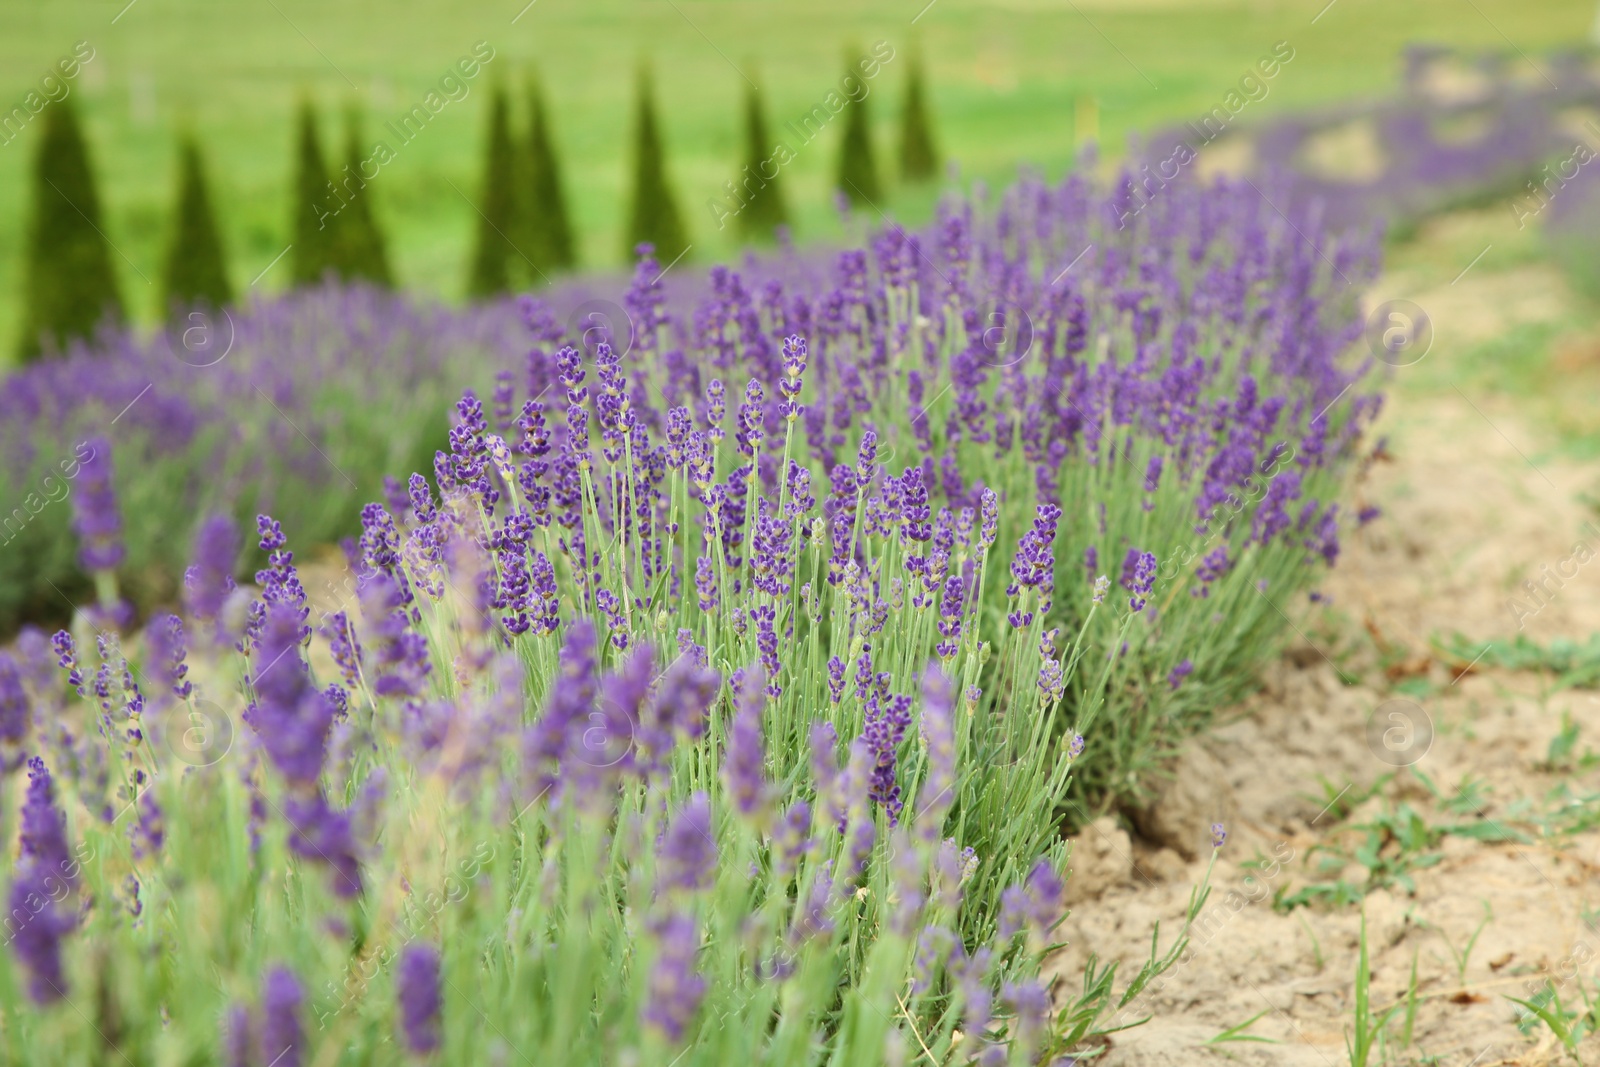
(751, 430)
(38, 926)
(1030, 1003)
(794, 366)
(44, 828)
(687, 853)
(96, 519)
(418, 991)
(289, 716)
(209, 579)
(677, 708)
(282, 1038)
(938, 737)
(323, 835)
(1176, 676)
(238, 1037)
(989, 508)
(1036, 905)
(744, 765)
(1219, 834)
(344, 646)
(165, 634)
(46, 873)
(570, 701)
(1152, 477)
(1138, 577)
(705, 583)
(675, 987)
(14, 716)
(886, 722)
(791, 841)
(835, 679)
(950, 613)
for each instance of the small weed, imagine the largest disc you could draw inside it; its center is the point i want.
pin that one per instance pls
(1560, 755)
(1470, 798)
(1575, 666)
(1411, 1006)
(1545, 1006)
(1337, 802)
(1237, 1033)
(1395, 844)
(1316, 946)
(1463, 956)
(1368, 1029)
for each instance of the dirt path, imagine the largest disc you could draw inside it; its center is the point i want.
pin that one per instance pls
(1475, 503)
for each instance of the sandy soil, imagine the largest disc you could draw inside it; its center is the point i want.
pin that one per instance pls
(1474, 504)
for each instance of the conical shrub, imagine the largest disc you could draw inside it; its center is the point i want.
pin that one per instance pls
(858, 174)
(758, 188)
(69, 286)
(312, 220)
(919, 160)
(359, 251)
(196, 271)
(653, 218)
(545, 227)
(491, 258)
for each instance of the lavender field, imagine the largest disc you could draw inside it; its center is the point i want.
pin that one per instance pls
(992, 640)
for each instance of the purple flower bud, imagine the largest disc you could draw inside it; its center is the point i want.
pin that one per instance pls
(238, 1038)
(418, 991)
(290, 716)
(1176, 676)
(744, 766)
(14, 715)
(281, 1035)
(165, 634)
(96, 519)
(675, 987)
(209, 579)
(687, 852)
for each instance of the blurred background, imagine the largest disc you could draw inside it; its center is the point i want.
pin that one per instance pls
(1008, 83)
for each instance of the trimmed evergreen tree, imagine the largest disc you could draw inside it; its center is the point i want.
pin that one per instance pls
(545, 227)
(653, 218)
(491, 259)
(764, 209)
(359, 251)
(312, 221)
(197, 270)
(858, 174)
(68, 281)
(919, 160)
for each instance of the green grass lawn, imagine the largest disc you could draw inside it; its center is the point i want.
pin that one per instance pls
(1004, 77)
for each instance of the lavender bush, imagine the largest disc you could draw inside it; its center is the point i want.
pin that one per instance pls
(719, 697)
(496, 836)
(297, 405)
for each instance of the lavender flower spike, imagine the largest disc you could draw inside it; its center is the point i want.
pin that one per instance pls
(290, 716)
(46, 873)
(417, 984)
(688, 851)
(281, 1036)
(209, 579)
(96, 520)
(744, 769)
(676, 989)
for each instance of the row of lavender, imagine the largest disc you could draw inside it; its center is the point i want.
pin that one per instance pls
(1463, 131)
(720, 694)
